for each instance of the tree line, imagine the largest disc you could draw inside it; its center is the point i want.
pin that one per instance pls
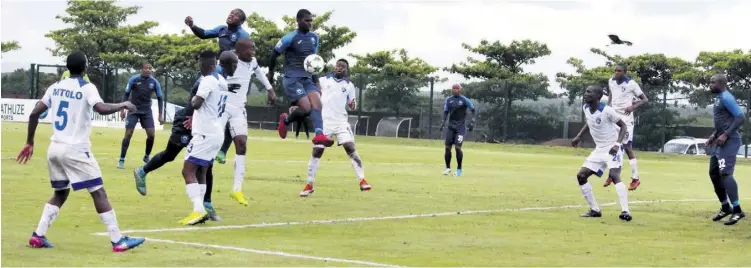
(392, 79)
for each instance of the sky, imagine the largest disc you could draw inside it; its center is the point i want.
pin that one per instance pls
(435, 30)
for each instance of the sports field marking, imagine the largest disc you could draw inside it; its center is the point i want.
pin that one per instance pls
(275, 253)
(397, 217)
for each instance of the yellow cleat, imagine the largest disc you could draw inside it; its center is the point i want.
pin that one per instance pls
(239, 197)
(195, 218)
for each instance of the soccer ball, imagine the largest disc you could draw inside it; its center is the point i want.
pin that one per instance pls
(314, 64)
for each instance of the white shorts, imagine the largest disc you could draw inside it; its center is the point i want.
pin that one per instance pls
(74, 167)
(238, 121)
(342, 132)
(629, 121)
(203, 149)
(601, 160)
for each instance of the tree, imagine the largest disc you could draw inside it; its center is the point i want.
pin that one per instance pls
(175, 56)
(575, 84)
(503, 77)
(393, 79)
(266, 34)
(9, 46)
(736, 65)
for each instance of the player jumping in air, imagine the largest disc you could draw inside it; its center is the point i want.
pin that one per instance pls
(208, 123)
(69, 158)
(238, 85)
(337, 93)
(299, 85)
(728, 118)
(455, 111)
(623, 91)
(608, 132)
(138, 91)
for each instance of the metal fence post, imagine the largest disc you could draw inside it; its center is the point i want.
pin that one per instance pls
(31, 80)
(431, 80)
(664, 119)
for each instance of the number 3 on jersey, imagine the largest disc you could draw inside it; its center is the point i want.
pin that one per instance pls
(221, 105)
(62, 114)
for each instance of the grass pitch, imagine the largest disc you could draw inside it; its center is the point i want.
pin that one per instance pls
(514, 206)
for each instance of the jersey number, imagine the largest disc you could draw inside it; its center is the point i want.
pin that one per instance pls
(62, 113)
(222, 103)
(233, 87)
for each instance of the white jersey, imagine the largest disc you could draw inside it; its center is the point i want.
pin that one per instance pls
(239, 84)
(624, 94)
(602, 125)
(336, 94)
(70, 102)
(210, 118)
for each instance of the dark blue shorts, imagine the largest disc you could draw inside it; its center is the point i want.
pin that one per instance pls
(723, 157)
(296, 88)
(146, 118)
(455, 135)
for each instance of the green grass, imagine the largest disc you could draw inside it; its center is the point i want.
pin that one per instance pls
(406, 178)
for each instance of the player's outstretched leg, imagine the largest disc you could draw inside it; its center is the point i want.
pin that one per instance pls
(120, 243)
(586, 188)
(354, 158)
(49, 213)
(221, 157)
(620, 189)
(239, 168)
(635, 182)
(149, 143)
(126, 141)
(207, 195)
(315, 160)
(719, 188)
(317, 119)
(161, 158)
(194, 175)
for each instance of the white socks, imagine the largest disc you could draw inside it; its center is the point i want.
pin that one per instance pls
(634, 170)
(620, 188)
(587, 193)
(357, 164)
(312, 168)
(109, 219)
(239, 173)
(194, 193)
(49, 213)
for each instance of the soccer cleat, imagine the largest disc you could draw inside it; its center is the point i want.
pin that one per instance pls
(625, 216)
(722, 214)
(608, 182)
(221, 157)
(591, 214)
(195, 218)
(364, 186)
(121, 164)
(145, 158)
(140, 176)
(447, 171)
(239, 197)
(282, 128)
(458, 173)
(127, 243)
(39, 241)
(210, 210)
(309, 190)
(323, 139)
(634, 184)
(735, 218)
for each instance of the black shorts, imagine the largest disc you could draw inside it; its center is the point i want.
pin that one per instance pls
(724, 156)
(180, 139)
(455, 136)
(146, 118)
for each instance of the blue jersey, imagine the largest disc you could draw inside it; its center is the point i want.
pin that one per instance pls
(227, 36)
(139, 89)
(726, 113)
(295, 47)
(456, 108)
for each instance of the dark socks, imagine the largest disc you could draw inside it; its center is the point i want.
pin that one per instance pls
(719, 189)
(149, 145)
(124, 148)
(731, 188)
(154, 163)
(315, 116)
(447, 157)
(295, 116)
(209, 184)
(227, 141)
(459, 158)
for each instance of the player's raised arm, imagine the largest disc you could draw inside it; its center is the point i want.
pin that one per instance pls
(279, 48)
(200, 32)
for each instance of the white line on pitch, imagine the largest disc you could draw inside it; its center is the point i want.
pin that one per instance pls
(397, 217)
(276, 253)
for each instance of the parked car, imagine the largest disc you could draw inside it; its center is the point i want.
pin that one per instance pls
(742, 151)
(685, 145)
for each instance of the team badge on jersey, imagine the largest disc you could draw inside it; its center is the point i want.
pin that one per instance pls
(185, 139)
(344, 89)
(151, 85)
(233, 37)
(312, 40)
(598, 120)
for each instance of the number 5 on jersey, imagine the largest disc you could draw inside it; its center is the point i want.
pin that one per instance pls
(62, 113)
